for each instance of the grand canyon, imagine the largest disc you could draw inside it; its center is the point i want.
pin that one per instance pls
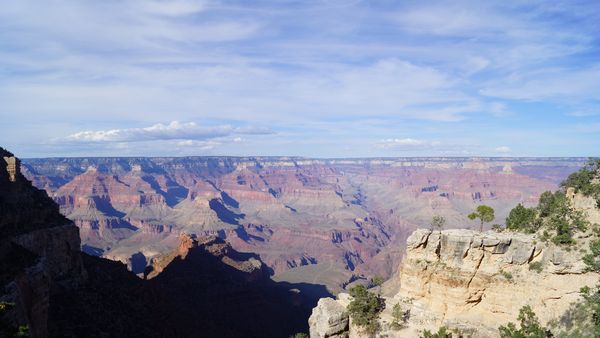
(187, 246)
(299, 169)
(320, 221)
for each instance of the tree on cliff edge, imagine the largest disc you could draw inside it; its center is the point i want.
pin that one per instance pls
(365, 309)
(484, 213)
(437, 222)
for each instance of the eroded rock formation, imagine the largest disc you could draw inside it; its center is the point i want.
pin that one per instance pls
(329, 319)
(339, 218)
(480, 281)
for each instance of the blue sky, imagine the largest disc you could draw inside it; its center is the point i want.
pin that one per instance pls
(327, 78)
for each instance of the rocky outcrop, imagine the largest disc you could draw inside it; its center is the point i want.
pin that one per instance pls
(329, 319)
(481, 280)
(12, 167)
(39, 249)
(474, 282)
(214, 246)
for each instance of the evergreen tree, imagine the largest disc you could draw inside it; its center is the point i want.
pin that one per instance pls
(484, 213)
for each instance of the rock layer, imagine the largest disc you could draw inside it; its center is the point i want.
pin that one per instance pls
(352, 214)
(481, 280)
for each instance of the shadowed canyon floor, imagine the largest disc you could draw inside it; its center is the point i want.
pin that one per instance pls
(315, 221)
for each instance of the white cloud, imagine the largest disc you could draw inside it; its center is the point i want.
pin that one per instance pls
(503, 150)
(200, 145)
(585, 113)
(396, 143)
(188, 132)
(498, 109)
(173, 7)
(555, 84)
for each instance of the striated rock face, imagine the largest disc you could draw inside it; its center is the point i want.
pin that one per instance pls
(479, 281)
(329, 319)
(351, 216)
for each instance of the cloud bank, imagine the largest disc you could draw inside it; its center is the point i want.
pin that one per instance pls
(173, 131)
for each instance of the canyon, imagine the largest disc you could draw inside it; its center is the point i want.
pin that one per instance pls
(317, 221)
(281, 237)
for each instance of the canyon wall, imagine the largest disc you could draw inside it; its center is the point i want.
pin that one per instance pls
(336, 219)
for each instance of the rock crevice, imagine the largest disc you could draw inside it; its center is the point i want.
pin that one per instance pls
(481, 280)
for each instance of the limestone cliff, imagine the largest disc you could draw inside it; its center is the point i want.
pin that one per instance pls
(470, 280)
(475, 282)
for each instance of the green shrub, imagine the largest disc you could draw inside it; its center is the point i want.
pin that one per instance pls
(557, 214)
(591, 298)
(552, 203)
(506, 275)
(365, 309)
(522, 219)
(300, 335)
(400, 317)
(536, 266)
(529, 326)
(565, 238)
(376, 281)
(441, 333)
(582, 319)
(592, 260)
(582, 180)
(554, 213)
(497, 227)
(437, 222)
(6, 328)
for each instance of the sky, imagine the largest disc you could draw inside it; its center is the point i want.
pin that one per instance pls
(323, 78)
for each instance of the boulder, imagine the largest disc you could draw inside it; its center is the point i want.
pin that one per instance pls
(329, 319)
